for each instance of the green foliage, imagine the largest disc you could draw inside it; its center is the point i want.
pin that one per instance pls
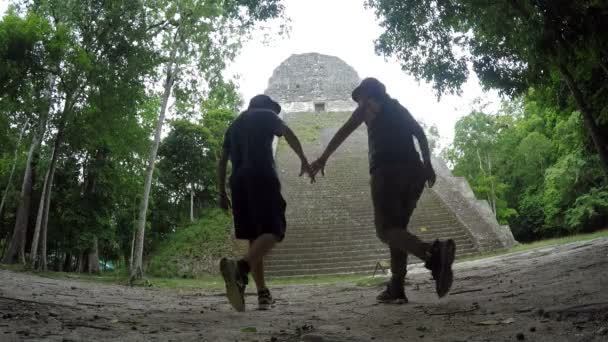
(84, 76)
(199, 38)
(216, 123)
(511, 44)
(307, 127)
(543, 178)
(474, 154)
(189, 157)
(224, 95)
(185, 159)
(193, 250)
(589, 210)
(558, 46)
(567, 181)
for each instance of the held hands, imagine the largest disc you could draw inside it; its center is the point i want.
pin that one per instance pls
(318, 165)
(312, 169)
(305, 168)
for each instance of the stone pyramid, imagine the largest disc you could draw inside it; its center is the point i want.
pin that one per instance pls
(330, 224)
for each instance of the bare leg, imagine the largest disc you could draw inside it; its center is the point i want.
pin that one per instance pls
(260, 248)
(257, 272)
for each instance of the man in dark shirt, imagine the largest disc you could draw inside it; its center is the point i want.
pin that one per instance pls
(397, 181)
(257, 205)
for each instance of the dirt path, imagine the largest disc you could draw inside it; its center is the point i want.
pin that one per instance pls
(549, 294)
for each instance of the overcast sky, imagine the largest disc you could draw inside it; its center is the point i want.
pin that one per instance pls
(344, 28)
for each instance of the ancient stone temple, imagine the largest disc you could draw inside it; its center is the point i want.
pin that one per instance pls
(312, 82)
(330, 223)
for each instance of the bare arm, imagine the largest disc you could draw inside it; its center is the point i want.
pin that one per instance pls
(296, 146)
(424, 144)
(426, 152)
(347, 129)
(221, 179)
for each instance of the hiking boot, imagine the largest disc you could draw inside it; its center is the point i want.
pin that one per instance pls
(440, 264)
(235, 281)
(265, 300)
(393, 294)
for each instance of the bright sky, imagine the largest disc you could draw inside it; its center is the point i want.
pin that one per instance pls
(344, 28)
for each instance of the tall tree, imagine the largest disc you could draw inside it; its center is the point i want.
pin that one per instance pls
(185, 157)
(9, 182)
(106, 49)
(29, 47)
(199, 38)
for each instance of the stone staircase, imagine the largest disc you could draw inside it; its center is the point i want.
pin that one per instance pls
(330, 223)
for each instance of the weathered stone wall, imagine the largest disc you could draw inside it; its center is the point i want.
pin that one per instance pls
(311, 77)
(309, 107)
(475, 214)
(330, 223)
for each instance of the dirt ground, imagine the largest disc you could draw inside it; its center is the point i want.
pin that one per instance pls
(548, 294)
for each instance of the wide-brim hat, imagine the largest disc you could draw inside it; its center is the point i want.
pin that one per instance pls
(264, 102)
(370, 87)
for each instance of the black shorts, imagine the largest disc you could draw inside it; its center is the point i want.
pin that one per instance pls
(257, 205)
(395, 192)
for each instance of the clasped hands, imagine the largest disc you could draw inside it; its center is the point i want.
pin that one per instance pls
(312, 169)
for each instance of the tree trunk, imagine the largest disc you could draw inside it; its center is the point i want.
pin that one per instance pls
(6, 238)
(45, 200)
(93, 257)
(45, 221)
(11, 174)
(82, 262)
(137, 265)
(492, 187)
(132, 250)
(16, 249)
(191, 203)
(599, 141)
(57, 261)
(67, 263)
(39, 219)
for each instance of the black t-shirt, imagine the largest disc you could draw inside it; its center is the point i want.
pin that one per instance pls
(391, 137)
(249, 141)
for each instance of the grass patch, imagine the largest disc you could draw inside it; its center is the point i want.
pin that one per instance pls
(205, 282)
(539, 244)
(192, 251)
(307, 126)
(216, 282)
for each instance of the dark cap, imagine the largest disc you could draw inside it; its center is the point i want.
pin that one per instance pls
(264, 102)
(370, 87)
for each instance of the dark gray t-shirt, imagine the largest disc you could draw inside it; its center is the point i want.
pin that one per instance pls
(249, 141)
(391, 137)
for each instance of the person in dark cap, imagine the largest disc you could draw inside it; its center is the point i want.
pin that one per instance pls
(397, 181)
(257, 205)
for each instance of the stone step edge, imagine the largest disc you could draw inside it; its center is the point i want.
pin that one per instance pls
(353, 246)
(328, 262)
